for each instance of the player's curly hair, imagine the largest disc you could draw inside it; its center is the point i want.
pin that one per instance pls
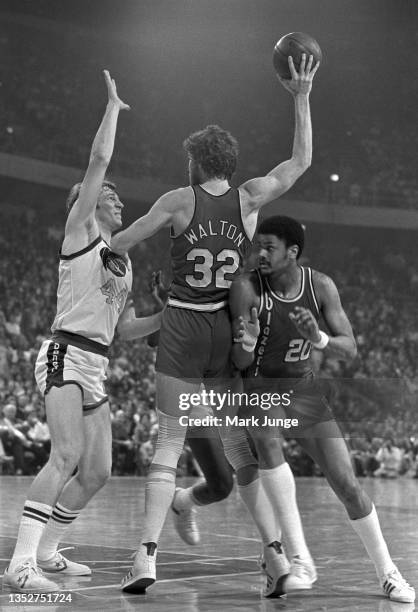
(285, 228)
(75, 192)
(215, 150)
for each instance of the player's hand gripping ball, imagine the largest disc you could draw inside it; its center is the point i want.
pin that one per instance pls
(294, 44)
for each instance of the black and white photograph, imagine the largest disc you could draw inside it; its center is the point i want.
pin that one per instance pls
(208, 305)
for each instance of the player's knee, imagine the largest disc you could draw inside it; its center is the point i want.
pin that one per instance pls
(65, 459)
(222, 488)
(93, 480)
(269, 451)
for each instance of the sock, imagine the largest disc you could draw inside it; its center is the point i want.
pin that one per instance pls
(183, 499)
(32, 524)
(279, 485)
(368, 529)
(60, 521)
(159, 493)
(261, 510)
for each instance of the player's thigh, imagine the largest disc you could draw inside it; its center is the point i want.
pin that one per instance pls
(64, 414)
(175, 397)
(96, 460)
(326, 445)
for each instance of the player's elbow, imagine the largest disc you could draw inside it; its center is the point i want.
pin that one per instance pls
(303, 162)
(123, 332)
(351, 351)
(100, 159)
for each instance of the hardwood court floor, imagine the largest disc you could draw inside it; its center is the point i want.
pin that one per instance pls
(221, 574)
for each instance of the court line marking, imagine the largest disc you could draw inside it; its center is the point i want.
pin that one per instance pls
(168, 580)
(223, 535)
(186, 554)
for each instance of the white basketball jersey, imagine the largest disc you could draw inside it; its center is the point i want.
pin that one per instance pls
(92, 289)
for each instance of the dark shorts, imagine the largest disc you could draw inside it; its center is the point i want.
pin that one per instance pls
(195, 345)
(304, 399)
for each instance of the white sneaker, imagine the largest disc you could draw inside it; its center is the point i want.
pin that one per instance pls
(185, 524)
(396, 587)
(143, 572)
(302, 571)
(27, 578)
(59, 564)
(276, 568)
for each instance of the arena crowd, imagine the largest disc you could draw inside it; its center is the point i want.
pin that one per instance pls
(374, 397)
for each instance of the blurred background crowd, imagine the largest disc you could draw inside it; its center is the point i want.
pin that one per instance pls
(364, 157)
(365, 143)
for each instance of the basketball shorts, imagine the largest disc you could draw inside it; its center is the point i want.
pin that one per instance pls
(303, 399)
(59, 364)
(195, 345)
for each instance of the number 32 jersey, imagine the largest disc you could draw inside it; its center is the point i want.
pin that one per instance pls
(281, 352)
(208, 255)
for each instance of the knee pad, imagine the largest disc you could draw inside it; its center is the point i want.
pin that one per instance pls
(237, 448)
(170, 440)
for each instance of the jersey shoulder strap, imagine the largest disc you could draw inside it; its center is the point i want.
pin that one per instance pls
(310, 289)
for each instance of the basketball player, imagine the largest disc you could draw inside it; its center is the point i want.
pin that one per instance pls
(207, 445)
(70, 369)
(275, 312)
(212, 225)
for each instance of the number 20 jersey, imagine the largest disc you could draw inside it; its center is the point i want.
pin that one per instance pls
(208, 255)
(281, 352)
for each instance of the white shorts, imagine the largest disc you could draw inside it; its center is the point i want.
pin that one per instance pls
(59, 363)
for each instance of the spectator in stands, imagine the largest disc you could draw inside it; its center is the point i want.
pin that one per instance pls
(389, 457)
(13, 439)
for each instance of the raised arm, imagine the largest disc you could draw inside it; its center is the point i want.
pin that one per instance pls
(82, 212)
(160, 215)
(340, 343)
(244, 302)
(260, 191)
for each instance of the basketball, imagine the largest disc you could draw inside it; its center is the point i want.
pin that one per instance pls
(294, 44)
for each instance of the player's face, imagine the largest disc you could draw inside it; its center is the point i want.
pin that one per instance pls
(273, 254)
(195, 173)
(109, 209)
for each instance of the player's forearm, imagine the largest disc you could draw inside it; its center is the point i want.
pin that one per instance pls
(141, 327)
(341, 347)
(240, 358)
(103, 143)
(302, 140)
(289, 171)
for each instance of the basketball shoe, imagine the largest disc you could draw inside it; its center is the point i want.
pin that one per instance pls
(396, 587)
(303, 569)
(58, 564)
(185, 523)
(143, 572)
(279, 573)
(27, 578)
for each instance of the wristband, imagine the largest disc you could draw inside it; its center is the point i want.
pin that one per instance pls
(248, 343)
(322, 342)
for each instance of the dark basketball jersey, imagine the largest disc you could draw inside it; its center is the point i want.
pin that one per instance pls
(208, 255)
(281, 352)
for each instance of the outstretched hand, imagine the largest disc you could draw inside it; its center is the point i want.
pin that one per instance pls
(300, 82)
(248, 330)
(305, 323)
(157, 288)
(112, 92)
